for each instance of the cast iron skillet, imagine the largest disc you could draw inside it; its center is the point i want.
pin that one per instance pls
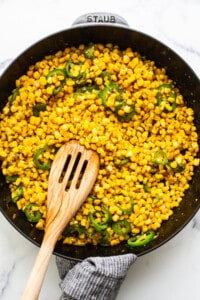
(107, 28)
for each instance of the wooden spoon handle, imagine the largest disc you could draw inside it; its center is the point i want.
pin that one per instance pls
(39, 269)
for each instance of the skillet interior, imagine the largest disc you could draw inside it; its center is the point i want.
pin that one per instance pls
(177, 69)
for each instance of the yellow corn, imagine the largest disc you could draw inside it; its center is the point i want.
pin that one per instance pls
(125, 148)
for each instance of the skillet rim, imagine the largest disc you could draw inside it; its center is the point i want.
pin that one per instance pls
(188, 75)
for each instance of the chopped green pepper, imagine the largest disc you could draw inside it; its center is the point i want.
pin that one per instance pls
(129, 210)
(58, 89)
(124, 161)
(11, 178)
(157, 200)
(178, 169)
(146, 188)
(89, 51)
(124, 116)
(37, 108)
(32, 212)
(121, 162)
(93, 197)
(15, 92)
(106, 216)
(57, 72)
(121, 227)
(141, 239)
(105, 238)
(106, 74)
(17, 194)
(166, 97)
(37, 154)
(160, 158)
(81, 79)
(73, 230)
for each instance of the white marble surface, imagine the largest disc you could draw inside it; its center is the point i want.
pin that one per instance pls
(170, 272)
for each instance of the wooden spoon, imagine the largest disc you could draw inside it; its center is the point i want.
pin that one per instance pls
(71, 178)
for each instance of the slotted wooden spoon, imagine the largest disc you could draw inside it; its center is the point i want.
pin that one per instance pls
(72, 176)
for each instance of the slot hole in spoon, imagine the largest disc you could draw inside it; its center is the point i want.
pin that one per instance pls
(73, 170)
(81, 174)
(64, 170)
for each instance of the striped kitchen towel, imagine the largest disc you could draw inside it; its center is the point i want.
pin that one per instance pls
(95, 278)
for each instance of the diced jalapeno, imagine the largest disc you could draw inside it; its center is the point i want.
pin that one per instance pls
(146, 188)
(57, 73)
(106, 76)
(178, 169)
(124, 161)
(74, 230)
(105, 238)
(15, 92)
(89, 51)
(37, 108)
(11, 178)
(17, 194)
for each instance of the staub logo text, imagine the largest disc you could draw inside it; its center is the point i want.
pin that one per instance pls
(101, 19)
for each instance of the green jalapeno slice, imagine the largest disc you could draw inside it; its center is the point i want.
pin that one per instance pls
(111, 96)
(57, 73)
(81, 80)
(106, 216)
(160, 158)
(129, 210)
(37, 154)
(166, 97)
(141, 239)
(124, 112)
(121, 227)
(32, 212)
(69, 71)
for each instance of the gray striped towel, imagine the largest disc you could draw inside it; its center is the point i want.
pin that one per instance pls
(95, 278)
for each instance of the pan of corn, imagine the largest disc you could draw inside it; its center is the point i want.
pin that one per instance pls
(131, 99)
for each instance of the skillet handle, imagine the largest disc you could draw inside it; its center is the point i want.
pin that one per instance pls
(100, 18)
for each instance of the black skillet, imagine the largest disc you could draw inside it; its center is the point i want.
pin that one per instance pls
(107, 28)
